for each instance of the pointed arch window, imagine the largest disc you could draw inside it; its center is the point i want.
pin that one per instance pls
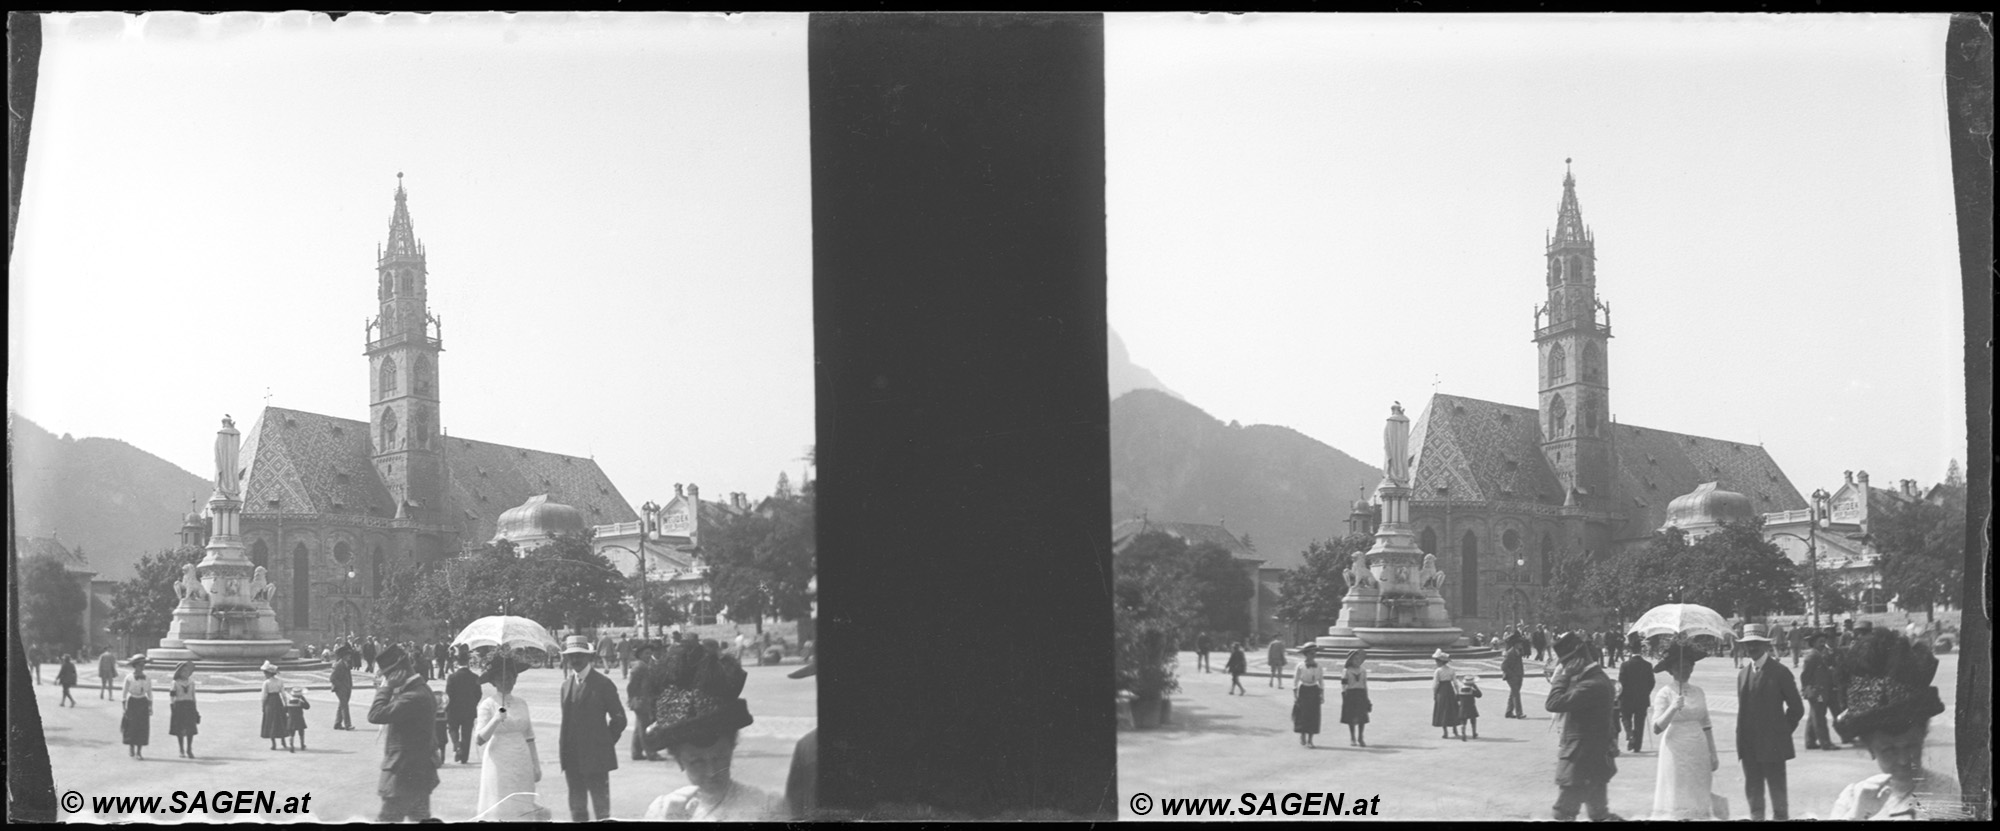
(260, 554)
(301, 587)
(1558, 363)
(1468, 574)
(1593, 363)
(1428, 541)
(390, 427)
(388, 379)
(426, 375)
(377, 566)
(1548, 558)
(1558, 417)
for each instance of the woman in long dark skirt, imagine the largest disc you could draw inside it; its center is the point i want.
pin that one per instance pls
(181, 713)
(1444, 696)
(137, 725)
(1307, 695)
(1354, 704)
(277, 727)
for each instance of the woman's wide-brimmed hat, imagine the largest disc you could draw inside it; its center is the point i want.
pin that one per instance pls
(269, 668)
(184, 670)
(578, 645)
(1440, 655)
(1356, 655)
(1309, 649)
(137, 660)
(699, 699)
(1888, 684)
(1677, 655)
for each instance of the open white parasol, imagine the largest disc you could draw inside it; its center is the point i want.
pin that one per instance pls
(1682, 621)
(507, 632)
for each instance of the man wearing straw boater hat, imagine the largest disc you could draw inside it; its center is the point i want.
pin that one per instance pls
(592, 719)
(1583, 694)
(408, 709)
(1767, 711)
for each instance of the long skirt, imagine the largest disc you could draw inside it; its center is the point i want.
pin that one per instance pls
(1305, 711)
(276, 726)
(137, 725)
(1468, 708)
(1444, 705)
(182, 718)
(1354, 707)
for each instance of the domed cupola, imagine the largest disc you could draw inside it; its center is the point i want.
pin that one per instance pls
(538, 520)
(1708, 507)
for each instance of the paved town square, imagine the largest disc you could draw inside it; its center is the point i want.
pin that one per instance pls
(1218, 745)
(340, 769)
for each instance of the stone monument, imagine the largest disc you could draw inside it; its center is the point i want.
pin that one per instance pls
(224, 618)
(1394, 606)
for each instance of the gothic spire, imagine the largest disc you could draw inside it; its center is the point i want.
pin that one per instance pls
(402, 237)
(1570, 229)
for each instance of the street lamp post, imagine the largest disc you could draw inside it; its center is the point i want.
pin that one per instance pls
(1820, 517)
(649, 522)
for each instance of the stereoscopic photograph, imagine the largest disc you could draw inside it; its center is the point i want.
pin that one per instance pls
(1606, 365)
(522, 530)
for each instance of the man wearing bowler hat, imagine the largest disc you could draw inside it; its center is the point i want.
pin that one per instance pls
(592, 719)
(1767, 711)
(1584, 695)
(406, 708)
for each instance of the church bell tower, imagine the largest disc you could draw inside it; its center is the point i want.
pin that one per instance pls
(403, 345)
(1572, 335)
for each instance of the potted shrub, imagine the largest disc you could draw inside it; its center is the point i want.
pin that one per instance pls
(1146, 670)
(1154, 606)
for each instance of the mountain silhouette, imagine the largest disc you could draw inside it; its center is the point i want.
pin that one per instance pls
(1176, 463)
(112, 500)
(1125, 376)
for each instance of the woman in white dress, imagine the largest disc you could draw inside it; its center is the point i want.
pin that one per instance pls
(509, 767)
(1688, 760)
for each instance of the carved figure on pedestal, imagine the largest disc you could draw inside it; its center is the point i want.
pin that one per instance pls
(1357, 574)
(190, 585)
(260, 585)
(1396, 446)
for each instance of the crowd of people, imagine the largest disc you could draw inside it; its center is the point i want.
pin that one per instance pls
(1873, 686)
(684, 695)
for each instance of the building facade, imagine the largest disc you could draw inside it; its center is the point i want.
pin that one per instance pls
(1503, 492)
(1840, 536)
(333, 507)
(1262, 580)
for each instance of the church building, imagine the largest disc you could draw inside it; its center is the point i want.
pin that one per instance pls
(332, 506)
(1502, 491)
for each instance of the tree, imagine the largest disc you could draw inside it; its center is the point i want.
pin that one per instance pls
(1923, 547)
(567, 584)
(1309, 596)
(1153, 609)
(1573, 586)
(1736, 572)
(142, 608)
(1222, 590)
(52, 604)
(1825, 591)
(760, 563)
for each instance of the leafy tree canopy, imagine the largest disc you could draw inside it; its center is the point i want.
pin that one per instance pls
(52, 604)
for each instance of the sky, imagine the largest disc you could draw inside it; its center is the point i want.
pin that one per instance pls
(616, 211)
(1311, 217)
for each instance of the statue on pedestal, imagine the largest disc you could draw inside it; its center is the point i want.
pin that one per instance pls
(261, 589)
(1396, 446)
(190, 584)
(225, 457)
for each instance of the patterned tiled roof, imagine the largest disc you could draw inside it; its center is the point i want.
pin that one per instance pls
(1486, 451)
(1193, 533)
(300, 462)
(507, 476)
(306, 463)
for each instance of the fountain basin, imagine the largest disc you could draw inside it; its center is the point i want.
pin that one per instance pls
(1408, 638)
(239, 650)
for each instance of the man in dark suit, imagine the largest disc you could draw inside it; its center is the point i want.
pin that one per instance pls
(461, 705)
(368, 651)
(405, 706)
(1512, 672)
(1635, 691)
(1585, 696)
(343, 686)
(1816, 684)
(592, 719)
(1540, 639)
(1767, 711)
(641, 692)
